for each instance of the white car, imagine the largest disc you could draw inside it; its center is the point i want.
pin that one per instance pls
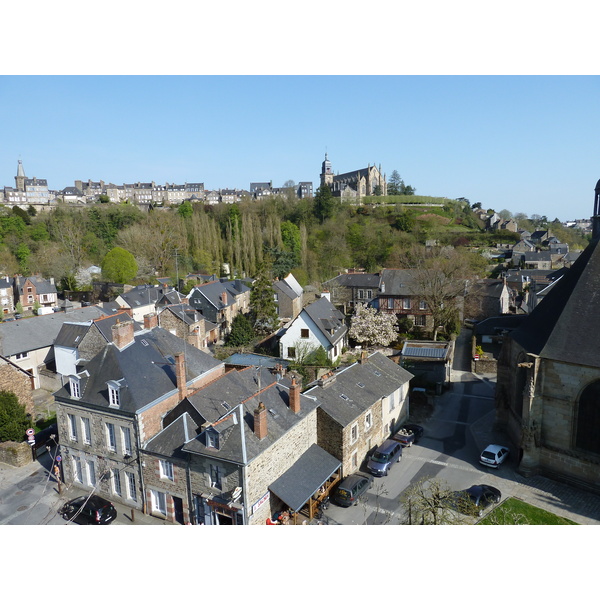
(493, 456)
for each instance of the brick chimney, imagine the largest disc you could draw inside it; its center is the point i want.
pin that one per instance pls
(224, 298)
(295, 396)
(150, 321)
(260, 421)
(364, 357)
(180, 374)
(122, 334)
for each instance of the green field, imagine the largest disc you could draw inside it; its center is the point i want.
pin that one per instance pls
(516, 512)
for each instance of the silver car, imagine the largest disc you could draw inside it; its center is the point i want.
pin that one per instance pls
(494, 455)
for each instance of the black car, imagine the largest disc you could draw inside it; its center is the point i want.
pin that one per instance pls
(409, 434)
(92, 510)
(475, 499)
(350, 489)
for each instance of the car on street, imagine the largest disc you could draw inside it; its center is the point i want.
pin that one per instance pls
(350, 489)
(408, 434)
(384, 457)
(494, 455)
(92, 510)
(474, 500)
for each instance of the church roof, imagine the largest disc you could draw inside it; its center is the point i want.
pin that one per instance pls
(559, 327)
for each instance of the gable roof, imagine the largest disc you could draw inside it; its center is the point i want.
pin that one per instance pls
(399, 282)
(359, 387)
(211, 292)
(328, 319)
(170, 440)
(146, 367)
(41, 331)
(362, 280)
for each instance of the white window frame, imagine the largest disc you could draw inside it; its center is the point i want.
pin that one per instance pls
(77, 469)
(72, 428)
(159, 502)
(113, 395)
(354, 433)
(422, 305)
(116, 482)
(75, 387)
(406, 303)
(86, 431)
(111, 438)
(131, 486)
(166, 470)
(368, 421)
(126, 440)
(91, 472)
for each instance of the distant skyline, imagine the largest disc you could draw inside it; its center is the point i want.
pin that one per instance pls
(522, 143)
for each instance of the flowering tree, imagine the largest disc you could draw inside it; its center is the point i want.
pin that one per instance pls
(372, 327)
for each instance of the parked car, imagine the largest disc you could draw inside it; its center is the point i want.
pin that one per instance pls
(92, 510)
(382, 459)
(350, 489)
(474, 500)
(408, 434)
(494, 455)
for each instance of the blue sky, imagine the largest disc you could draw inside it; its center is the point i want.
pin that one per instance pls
(522, 143)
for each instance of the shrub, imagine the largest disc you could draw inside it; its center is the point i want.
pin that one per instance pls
(14, 420)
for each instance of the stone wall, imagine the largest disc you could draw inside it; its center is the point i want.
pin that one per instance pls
(178, 487)
(16, 381)
(15, 454)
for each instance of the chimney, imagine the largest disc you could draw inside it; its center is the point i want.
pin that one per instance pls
(363, 357)
(180, 374)
(224, 298)
(150, 321)
(122, 334)
(326, 294)
(260, 421)
(295, 396)
(327, 379)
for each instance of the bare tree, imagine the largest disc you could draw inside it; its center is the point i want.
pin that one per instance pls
(431, 502)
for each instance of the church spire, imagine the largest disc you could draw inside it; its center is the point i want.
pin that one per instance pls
(20, 177)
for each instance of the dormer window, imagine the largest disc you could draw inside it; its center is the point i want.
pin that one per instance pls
(114, 398)
(212, 438)
(75, 386)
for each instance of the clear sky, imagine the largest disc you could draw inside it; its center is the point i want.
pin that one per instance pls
(264, 103)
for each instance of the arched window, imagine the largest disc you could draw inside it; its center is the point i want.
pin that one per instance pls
(588, 419)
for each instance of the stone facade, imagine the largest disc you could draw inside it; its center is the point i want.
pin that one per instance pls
(175, 490)
(15, 454)
(16, 380)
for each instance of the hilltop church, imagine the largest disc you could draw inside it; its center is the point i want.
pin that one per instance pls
(354, 184)
(548, 386)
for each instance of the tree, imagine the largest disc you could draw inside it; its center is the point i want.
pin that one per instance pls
(262, 303)
(119, 266)
(372, 327)
(428, 502)
(242, 332)
(397, 187)
(324, 203)
(185, 210)
(14, 420)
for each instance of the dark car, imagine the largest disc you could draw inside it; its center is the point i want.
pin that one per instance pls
(408, 434)
(475, 499)
(350, 489)
(92, 510)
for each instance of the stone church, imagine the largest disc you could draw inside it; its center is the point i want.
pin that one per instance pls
(548, 389)
(354, 184)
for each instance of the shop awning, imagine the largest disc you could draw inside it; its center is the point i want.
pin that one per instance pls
(305, 477)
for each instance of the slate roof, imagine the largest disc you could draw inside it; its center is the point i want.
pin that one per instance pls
(42, 286)
(255, 360)
(211, 292)
(358, 387)
(32, 333)
(184, 312)
(283, 287)
(489, 288)
(545, 256)
(170, 440)
(399, 282)
(280, 419)
(144, 295)
(559, 327)
(431, 350)
(72, 334)
(360, 280)
(146, 367)
(327, 318)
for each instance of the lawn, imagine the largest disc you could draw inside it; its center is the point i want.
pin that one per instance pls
(516, 512)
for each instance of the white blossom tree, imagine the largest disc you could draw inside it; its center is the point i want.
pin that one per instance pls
(371, 327)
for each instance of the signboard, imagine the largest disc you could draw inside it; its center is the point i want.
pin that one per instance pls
(258, 504)
(476, 357)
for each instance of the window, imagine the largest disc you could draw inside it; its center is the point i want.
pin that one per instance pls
(406, 303)
(422, 305)
(87, 432)
(304, 333)
(215, 477)
(77, 470)
(131, 489)
(291, 352)
(159, 502)
(126, 438)
(111, 440)
(361, 294)
(113, 394)
(420, 320)
(368, 421)
(21, 355)
(116, 482)
(390, 303)
(354, 433)
(369, 294)
(72, 428)
(166, 469)
(75, 387)
(355, 460)
(91, 473)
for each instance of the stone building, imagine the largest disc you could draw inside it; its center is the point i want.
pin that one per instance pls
(354, 184)
(15, 379)
(549, 376)
(116, 402)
